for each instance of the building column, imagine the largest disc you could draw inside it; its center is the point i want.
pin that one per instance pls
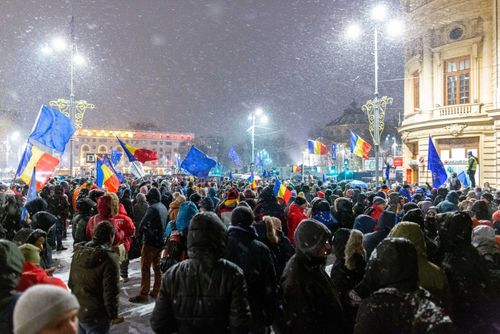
(486, 70)
(427, 96)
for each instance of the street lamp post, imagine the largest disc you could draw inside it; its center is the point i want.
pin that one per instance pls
(257, 113)
(375, 109)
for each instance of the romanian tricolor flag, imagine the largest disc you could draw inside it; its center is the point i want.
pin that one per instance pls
(106, 178)
(316, 147)
(296, 169)
(359, 146)
(32, 158)
(281, 191)
(139, 154)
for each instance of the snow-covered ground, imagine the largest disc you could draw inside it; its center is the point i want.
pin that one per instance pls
(136, 315)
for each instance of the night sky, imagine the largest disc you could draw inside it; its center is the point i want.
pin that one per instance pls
(199, 66)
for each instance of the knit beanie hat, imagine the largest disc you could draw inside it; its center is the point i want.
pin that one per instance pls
(242, 216)
(40, 305)
(310, 236)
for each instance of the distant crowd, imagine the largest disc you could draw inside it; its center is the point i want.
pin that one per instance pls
(219, 256)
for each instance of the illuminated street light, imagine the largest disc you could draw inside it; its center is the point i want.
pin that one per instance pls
(395, 28)
(353, 31)
(379, 12)
(263, 119)
(58, 44)
(79, 60)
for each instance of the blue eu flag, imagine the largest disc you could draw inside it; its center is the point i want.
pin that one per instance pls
(435, 165)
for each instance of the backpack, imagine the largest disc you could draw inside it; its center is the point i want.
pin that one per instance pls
(174, 250)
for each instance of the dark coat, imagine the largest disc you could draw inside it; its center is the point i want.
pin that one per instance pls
(268, 205)
(79, 227)
(140, 209)
(254, 258)
(396, 304)
(205, 293)
(311, 302)
(11, 262)
(152, 227)
(385, 224)
(94, 279)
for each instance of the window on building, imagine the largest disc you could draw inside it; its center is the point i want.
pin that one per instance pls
(416, 90)
(457, 80)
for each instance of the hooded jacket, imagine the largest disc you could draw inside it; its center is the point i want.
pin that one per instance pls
(175, 206)
(152, 227)
(449, 204)
(107, 208)
(398, 305)
(430, 276)
(268, 205)
(385, 224)
(11, 262)
(125, 223)
(186, 212)
(254, 258)
(295, 216)
(205, 293)
(94, 279)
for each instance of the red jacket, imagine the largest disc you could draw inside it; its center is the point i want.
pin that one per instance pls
(107, 208)
(33, 275)
(375, 213)
(295, 216)
(125, 224)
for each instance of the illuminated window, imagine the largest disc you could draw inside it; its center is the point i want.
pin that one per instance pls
(457, 80)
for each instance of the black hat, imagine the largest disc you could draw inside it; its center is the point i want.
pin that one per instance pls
(300, 201)
(242, 216)
(378, 200)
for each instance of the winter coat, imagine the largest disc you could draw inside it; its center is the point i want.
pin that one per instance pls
(79, 227)
(364, 223)
(94, 279)
(343, 212)
(175, 206)
(107, 208)
(311, 302)
(11, 219)
(396, 304)
(430, 276)
(281, 251)
(295, 216)
(225, 209)
(33, 275)
(385, 224)
(152, 226)
(483, 239)
(186, 212)
(467, 276)
(140, 209)
(374, 211)
(268, 205)
(254, 258)
(11, 262)
(205, 293)
(212, 194)
(58, 205)
(125, 224)
(449, 204)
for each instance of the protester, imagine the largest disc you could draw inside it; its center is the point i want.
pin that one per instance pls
(311, 301)
(254, 258)
(205, 293)
(84, 207)
(151, 232)
(296, 214)
(385, 223)
(11, 264)
(140, 208)
(94, 279)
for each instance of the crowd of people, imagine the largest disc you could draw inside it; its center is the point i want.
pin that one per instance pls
(229, 258)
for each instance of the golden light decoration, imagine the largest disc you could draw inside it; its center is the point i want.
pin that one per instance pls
(81, 107)
(370, 108)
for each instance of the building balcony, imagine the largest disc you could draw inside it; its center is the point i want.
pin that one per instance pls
(458, 110)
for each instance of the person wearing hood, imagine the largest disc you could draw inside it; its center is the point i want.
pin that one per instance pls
(430, 276)
(378, 206)
(107, 208)
(151, 235)
(322, 212)
(46, 222)
(483, 239)
(311, 301)
(433, 253)
(348, 269)
(396, 303)
(225, 207)
(205, 293)
(296, 213)
(449, 204)
(385, 224)
(175, 205)
(11, 218)
(364, 223)
(94, 278)
(342, 208)
(187, 211)
(126, 201)
(254, 258)
(84, 208)
(125, 224)
(267, 205)
(466, 271)
(140, 208)
(11, 262)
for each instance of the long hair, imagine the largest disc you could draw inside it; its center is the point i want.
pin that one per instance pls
(354, 246)
(270, 231)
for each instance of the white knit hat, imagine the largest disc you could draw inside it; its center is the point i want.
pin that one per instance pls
(40, 305)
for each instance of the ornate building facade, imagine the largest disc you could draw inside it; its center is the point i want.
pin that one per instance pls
(451, 86)
(89, 143)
